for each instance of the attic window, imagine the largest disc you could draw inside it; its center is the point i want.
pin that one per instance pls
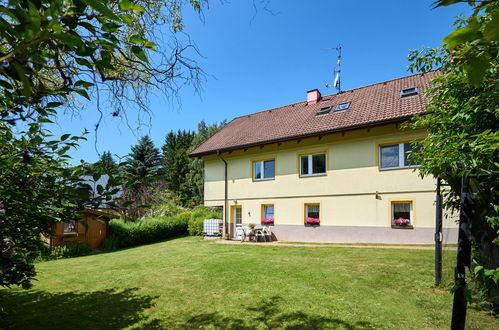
(408, 92)
(342, 106)
(323, 111)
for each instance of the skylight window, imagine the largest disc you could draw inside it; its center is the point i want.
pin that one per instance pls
(408, 92)
(342, 106)
(323, 111)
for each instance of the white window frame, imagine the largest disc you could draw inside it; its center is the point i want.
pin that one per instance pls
(306, 205)
(411, 213)
(401, 156)
(262, 163)
(310, 163)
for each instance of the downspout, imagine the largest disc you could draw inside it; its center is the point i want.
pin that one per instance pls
(226, 197)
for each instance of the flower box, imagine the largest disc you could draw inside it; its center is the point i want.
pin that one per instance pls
(312, 221)
(267, 221)
(401, 223)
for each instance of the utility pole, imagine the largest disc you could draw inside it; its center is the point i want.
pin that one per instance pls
(463, 256)
(438, 234)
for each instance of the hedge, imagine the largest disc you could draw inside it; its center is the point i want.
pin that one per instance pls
(144, 231)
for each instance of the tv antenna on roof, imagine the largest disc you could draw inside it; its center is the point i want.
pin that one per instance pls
(337, 82)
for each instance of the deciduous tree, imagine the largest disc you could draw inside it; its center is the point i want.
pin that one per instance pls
(462, 121)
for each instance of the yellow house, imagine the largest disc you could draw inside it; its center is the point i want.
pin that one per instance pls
(329, 169)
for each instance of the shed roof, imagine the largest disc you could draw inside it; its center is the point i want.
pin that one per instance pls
(370, 106)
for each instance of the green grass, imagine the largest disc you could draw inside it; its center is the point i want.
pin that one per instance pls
(188, 283)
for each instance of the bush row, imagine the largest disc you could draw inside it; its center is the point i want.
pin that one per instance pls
(148, 230)
(64, 251)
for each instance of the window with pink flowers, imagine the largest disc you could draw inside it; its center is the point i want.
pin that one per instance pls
(402, 214)
(312, 214)
(268, 214)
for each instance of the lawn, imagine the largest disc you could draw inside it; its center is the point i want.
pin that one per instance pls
(188, 283)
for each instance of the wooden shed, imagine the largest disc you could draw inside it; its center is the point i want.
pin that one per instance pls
(93, 228)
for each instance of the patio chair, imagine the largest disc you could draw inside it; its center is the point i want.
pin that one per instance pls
(260, 233)
(268, 234)
(240, 232)
(247, 233)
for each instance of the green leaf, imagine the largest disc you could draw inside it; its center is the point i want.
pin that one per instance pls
(65, 137)
(491, 30)
(136, 39)
(462, 35)
(69, 39)
(475, 69)
(149, 45)
(84, 61)
(53, 104)
(100, 6)
(137, 8)
(110, 27)
(83, 83)
(125, 5)
(25, 81)
(139, 52)
(5, 84)
(83, 93)
(444, 3)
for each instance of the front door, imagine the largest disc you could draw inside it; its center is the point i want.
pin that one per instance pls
(238, 221)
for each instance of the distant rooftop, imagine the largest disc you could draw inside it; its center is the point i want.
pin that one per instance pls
(370, 105)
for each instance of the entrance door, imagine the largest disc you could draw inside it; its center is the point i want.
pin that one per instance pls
(238, 221)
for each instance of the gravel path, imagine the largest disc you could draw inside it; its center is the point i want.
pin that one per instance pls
(373, 246)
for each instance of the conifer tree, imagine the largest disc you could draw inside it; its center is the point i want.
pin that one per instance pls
(176, 162)
(143, 163)
(106, 164)
(195, 176)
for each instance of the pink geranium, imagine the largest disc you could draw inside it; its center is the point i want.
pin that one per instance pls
(313, 220)
(268, 220)
(402, 222)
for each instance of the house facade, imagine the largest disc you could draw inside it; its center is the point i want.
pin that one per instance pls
(329, 169)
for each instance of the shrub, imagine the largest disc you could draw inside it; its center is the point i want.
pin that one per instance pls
(110, 243)
(197, 218)
(67, 251)
(143, 231)
(163, 204)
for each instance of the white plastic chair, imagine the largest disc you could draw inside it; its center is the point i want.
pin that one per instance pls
(240, 232)
(268, 233)
(260, 233)
(246, 233)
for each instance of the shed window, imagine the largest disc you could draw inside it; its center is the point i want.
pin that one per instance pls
(70, 227)
(408, 92)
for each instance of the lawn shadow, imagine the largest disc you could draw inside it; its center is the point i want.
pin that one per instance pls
(106, 309)
(268, 314)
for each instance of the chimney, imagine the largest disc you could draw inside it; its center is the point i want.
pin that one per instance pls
(313, 96)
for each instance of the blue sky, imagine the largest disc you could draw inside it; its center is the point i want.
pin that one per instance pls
(258, 61)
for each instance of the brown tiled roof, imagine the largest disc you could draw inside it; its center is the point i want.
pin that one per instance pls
(370, 105)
